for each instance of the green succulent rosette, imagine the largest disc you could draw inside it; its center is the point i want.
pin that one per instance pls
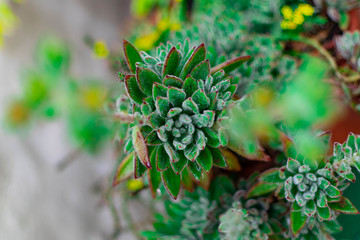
(176, 99)
(314, 192)
(346, 156)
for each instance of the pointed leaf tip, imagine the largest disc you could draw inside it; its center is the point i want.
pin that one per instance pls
(125, 170)
(230, 65)
(132, 56)
(171, 182)
(141, 147)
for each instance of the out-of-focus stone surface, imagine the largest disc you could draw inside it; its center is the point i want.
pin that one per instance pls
(37, 202)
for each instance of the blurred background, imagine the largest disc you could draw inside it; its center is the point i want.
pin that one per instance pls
(37, 201)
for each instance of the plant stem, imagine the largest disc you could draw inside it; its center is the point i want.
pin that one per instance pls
(330, 59)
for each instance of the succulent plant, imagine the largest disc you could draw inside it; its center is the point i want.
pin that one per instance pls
(222, 212)
(237, 224)
(177, 99)
(336, 9)
(310, 190)
(229, 36)
(187, 219)
(318, 230)
(314, 192)
(348, 47)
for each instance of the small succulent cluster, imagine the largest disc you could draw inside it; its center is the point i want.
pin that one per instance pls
(348, 47)
(176, 99)
(314, 191)
(336, 9)
(347, 156)
(250, 220)
(310, 190)
(318, 230)
(222, 212)
(268, 64)
(187, 219)
(237, 224)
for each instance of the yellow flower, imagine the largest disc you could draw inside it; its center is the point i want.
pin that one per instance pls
(288, 25)
(18, 113)
(93, 97)
(306, 9)
(287, 12)
(100, 49)
(147, 42)
(298, 17)
(134, 184)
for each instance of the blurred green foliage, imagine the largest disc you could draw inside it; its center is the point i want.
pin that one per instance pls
(49, 92)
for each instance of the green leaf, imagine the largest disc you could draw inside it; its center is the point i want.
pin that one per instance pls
(190, 86)
(218, 158)
(178, 166)
(213, 97)
(223, 137)
(125, 169)
(133, 89)
(212, 137)
(344, 206)
(132, 56)
(191, 152)
(171, 62)
(152, 139)
(332, 191)
(231, 160)
(139, 168)
(324, 213)
(146, 78)
(230, 65)
(310, 208)
(201, 99)
(173, 81)
(146, 108)
(187, 180)
(190, 105)
(156, 120)
(140, 146)
(332, 226)
(298, 220)
(261, 188)
(201, 71)
(171, 182)
(271, 176)
(292, 165)
(200, 140)
(153, 175)
(162, 159)
(198, 56)
(173, 154)
(211, 115)
(351, 141)
(176, 96)
(195, 169)
(159, 90)
(162, 106)
(321, 200)
(205, 160)
(173, 112)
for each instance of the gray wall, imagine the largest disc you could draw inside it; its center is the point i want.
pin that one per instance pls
(37, 202)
